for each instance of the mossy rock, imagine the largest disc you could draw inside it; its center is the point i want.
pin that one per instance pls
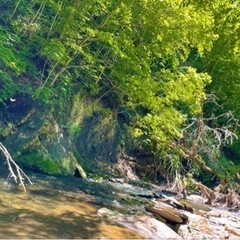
(99, 138)
(36, 161)
(40, 143)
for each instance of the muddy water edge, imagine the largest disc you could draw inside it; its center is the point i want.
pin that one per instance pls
(56, 208)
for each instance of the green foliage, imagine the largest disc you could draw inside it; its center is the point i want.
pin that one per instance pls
(187, 182)
(7, 86)
(43, 95)
(14, 63)
(229, 170)
(222, 62)
(10, 57)
(55, 50)
(73, 129)
(152, 58)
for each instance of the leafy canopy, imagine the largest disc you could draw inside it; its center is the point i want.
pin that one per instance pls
(152, 58)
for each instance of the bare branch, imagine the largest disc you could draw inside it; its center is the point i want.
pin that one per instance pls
(19, 175)
(205, 136)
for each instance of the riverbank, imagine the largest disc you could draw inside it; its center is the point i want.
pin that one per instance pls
(67, 207)
(176, 218)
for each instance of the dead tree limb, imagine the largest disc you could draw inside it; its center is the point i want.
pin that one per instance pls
(14, 170)
(232, 200)
(204, 137)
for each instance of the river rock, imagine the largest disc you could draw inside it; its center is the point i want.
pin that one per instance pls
(104, 211)
(227, 225)
(235, 230)
(200, 228)
(195, 198)
(200, 224)
(173, 202)
(167, 212)
(159, 218)
(109, 214)
(202, 213)
(214, 213)
(155, 229)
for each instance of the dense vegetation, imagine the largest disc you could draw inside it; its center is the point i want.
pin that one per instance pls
(172, 67)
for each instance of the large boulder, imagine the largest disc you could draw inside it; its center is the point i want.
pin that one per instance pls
(154, 229)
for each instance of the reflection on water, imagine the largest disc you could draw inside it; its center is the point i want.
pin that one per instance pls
(53, 208)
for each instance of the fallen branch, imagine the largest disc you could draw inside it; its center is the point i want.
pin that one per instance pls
(19, 175)
(232, 200)
(208, 193)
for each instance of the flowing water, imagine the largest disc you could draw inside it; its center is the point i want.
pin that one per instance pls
(55, 208)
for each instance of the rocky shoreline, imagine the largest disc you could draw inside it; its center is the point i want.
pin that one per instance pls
(160, 216)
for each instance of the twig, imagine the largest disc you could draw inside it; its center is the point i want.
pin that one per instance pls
(20, 175)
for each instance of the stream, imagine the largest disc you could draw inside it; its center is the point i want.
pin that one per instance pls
(56, 208)
(65, 207)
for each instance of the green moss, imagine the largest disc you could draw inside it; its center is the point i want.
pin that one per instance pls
(81, 108)
(67, 164)
(8, 130)
(36, 160)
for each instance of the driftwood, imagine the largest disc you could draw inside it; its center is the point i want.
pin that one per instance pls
(14, 170)
(214, 196)
(232, 200)
(208, 193)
